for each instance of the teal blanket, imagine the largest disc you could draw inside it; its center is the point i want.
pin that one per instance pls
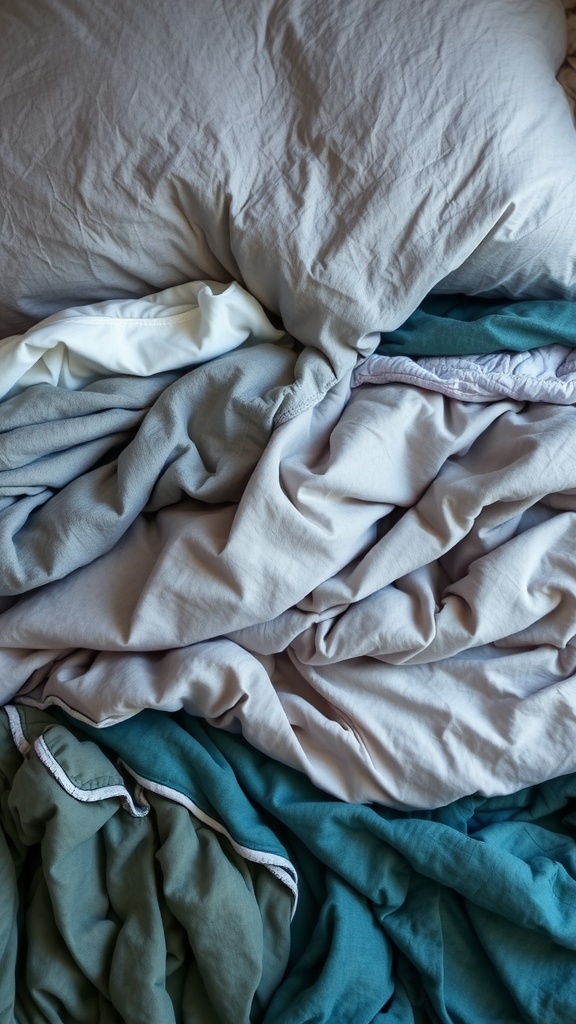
(461, 915)
(456, 325)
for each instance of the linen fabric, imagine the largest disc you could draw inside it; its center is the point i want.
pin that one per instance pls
(77, 468)
(456, 325)
(540, 375)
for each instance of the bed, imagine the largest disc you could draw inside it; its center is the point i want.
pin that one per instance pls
(287, 512)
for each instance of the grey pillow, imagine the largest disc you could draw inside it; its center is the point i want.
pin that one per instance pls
(340, 160)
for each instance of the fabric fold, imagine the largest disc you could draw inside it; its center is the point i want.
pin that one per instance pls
(120, 915)
(395, 569)
(438, 915)
(179, 327)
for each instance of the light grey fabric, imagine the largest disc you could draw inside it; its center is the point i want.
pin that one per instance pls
(356, 478)
(224, 529)
(389, 604)
(77, 468)
(338, 160)
(540, 375)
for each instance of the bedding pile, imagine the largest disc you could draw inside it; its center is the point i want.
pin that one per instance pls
(211, 619)
(287, 513)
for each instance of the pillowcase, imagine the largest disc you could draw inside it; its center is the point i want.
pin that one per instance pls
(338, 160)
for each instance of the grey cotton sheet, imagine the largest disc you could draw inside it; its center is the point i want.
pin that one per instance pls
(389, 571)
(345, 569)
(77, 468)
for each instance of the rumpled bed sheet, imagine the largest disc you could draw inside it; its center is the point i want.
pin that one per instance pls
(389, 571)
(322, 654)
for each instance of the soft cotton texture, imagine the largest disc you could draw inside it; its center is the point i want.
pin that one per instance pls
(389, 571)
(449, 915)
(338, 162)
(182, 326)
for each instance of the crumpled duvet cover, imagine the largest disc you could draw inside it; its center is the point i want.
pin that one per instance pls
(295, 684)
(287, 512)
(388, 571)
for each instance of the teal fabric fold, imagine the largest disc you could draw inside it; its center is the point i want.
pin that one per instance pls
(456, 325)
(459, 915)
